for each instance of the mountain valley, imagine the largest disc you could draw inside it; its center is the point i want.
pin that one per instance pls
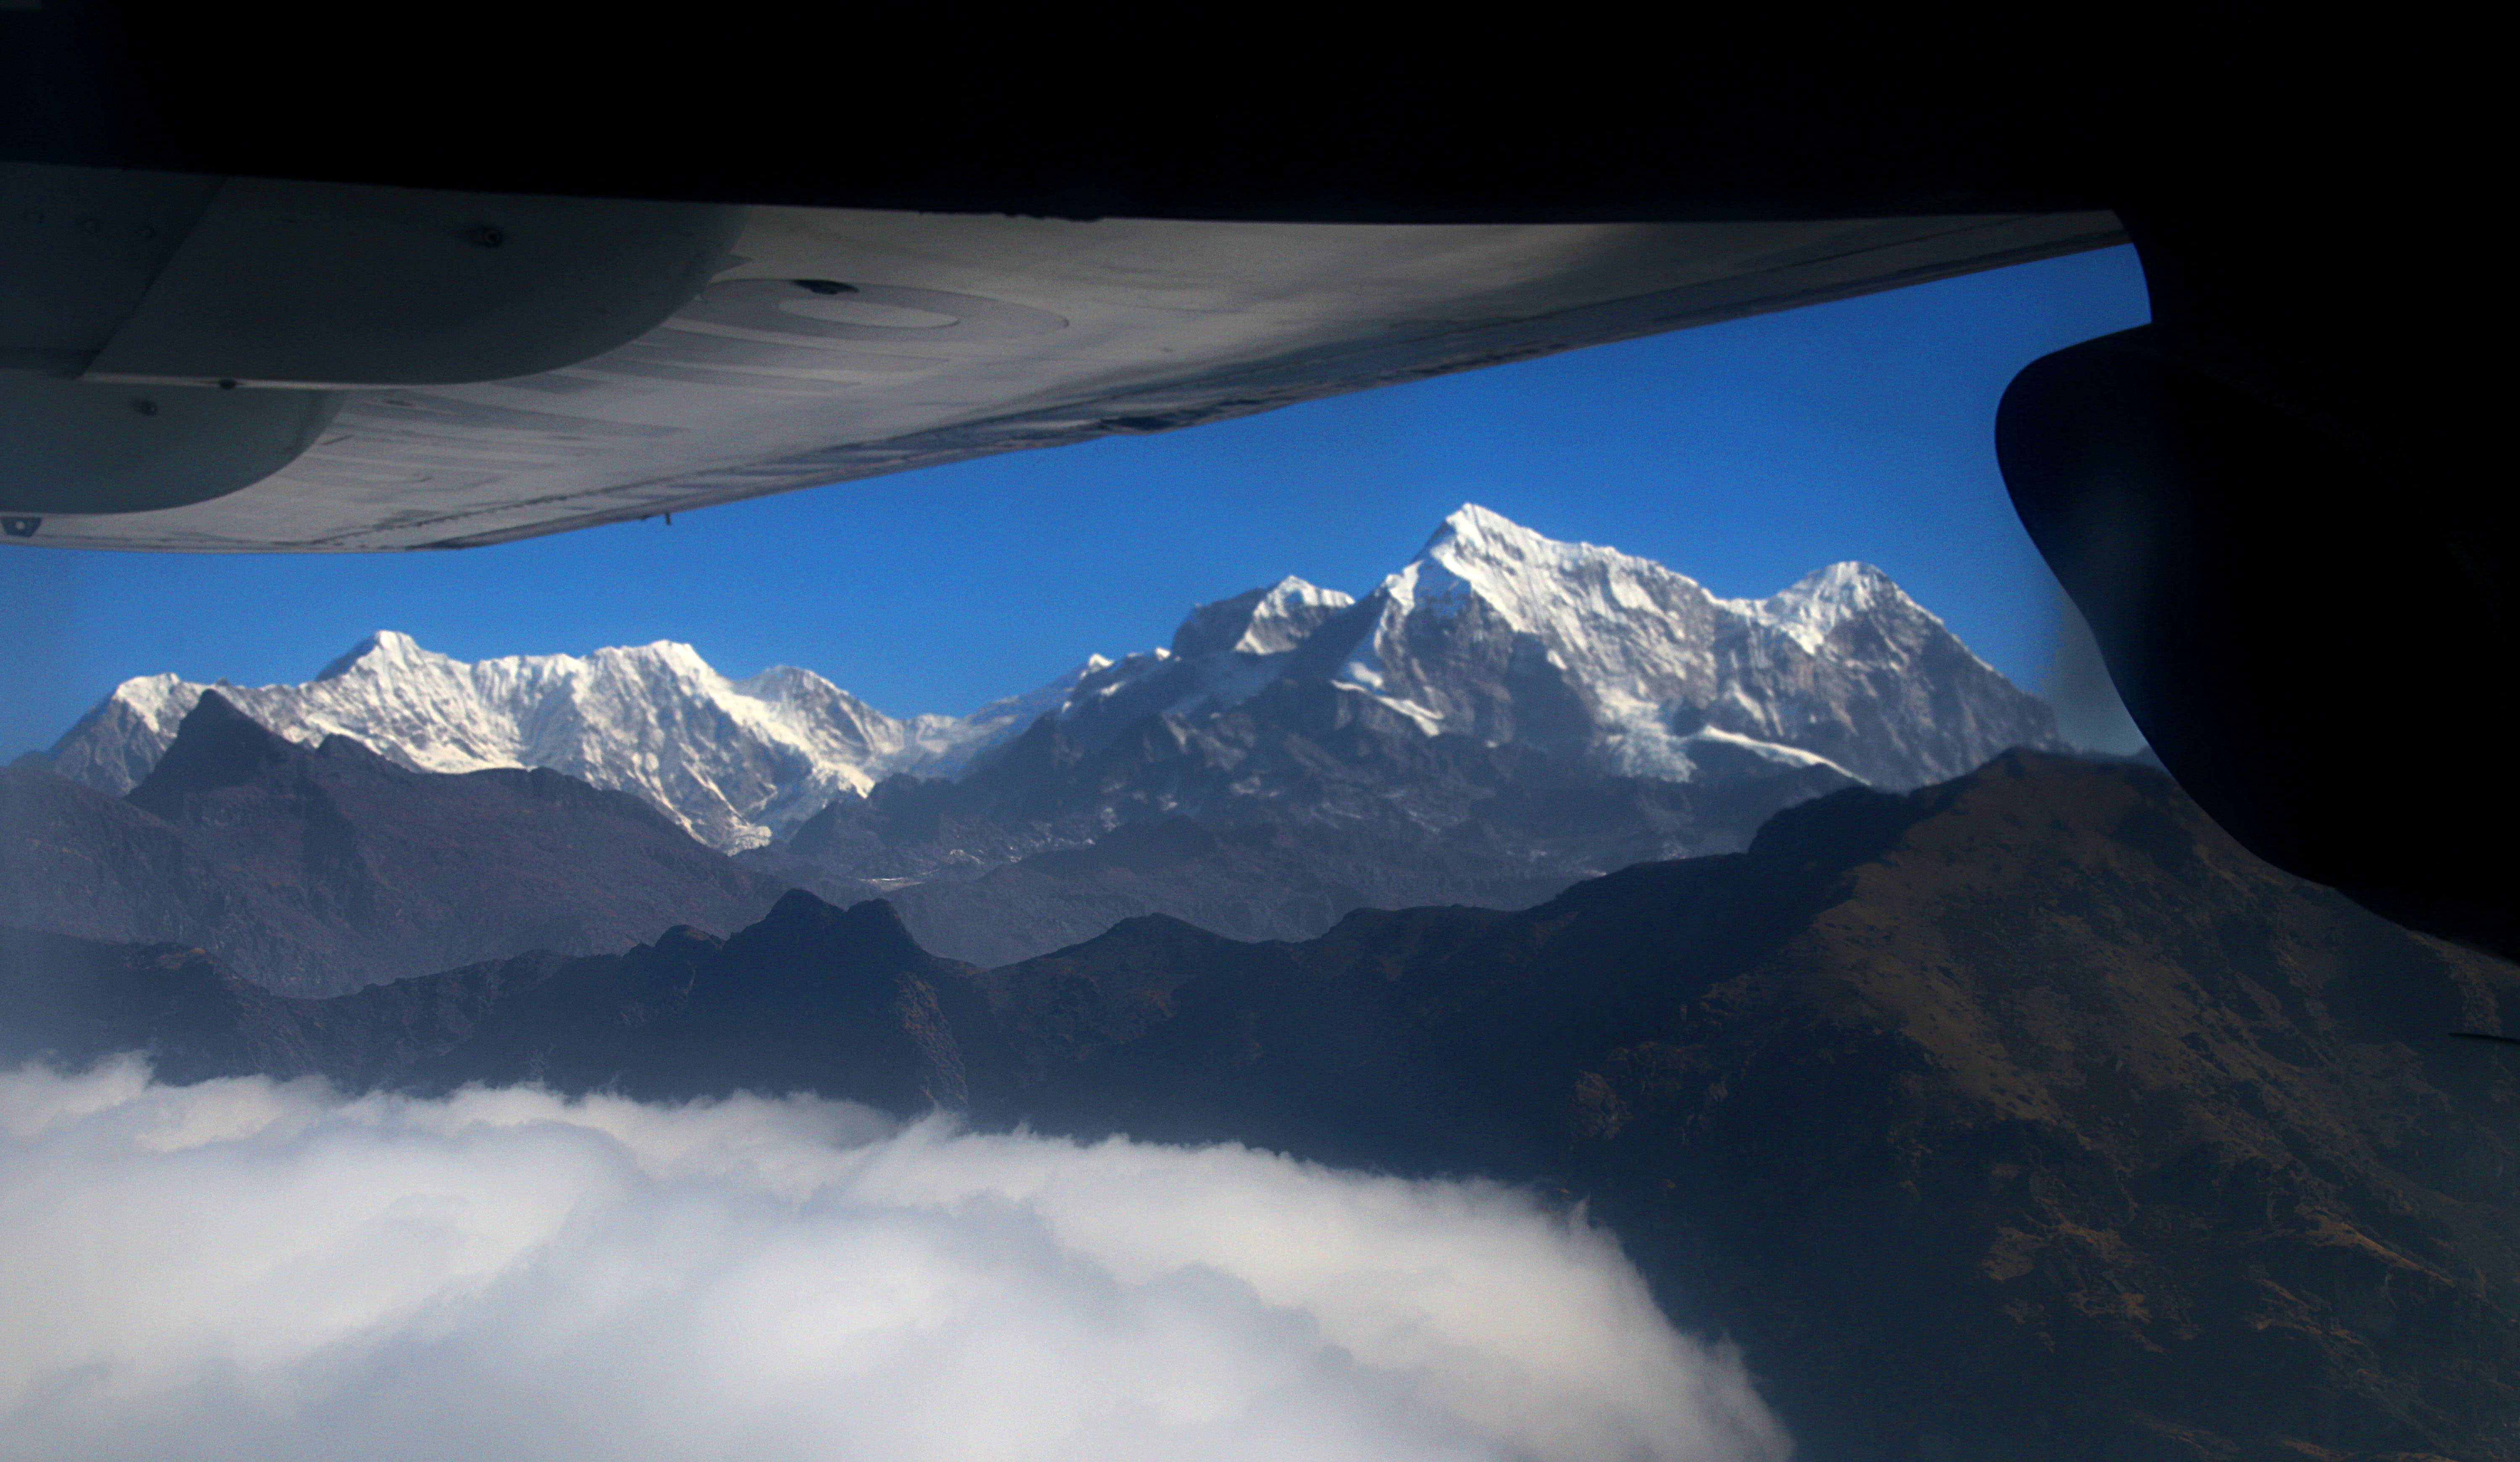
(2023, 1116)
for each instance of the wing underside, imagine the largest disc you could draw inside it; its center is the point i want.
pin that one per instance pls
(840, 344)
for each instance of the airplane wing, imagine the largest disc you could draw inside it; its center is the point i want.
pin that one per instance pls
(434, 369)
(830, 344)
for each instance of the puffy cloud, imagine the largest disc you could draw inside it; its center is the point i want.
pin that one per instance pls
(246, 1268)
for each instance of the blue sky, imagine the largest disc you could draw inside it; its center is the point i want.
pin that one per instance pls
(1743, 454)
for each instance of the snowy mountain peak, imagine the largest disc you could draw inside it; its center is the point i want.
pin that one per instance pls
(1812, 606)
(380, 651)
(1836, 591)
(1471, 525)
(1534, 582)
(1492, 631)
(1497, 631)
(1472, 534)
(736, 762)
(1267, 620)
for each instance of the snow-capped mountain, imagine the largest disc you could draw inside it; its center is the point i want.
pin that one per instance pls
(1496, 632)
(735, 762)
(1492, 632)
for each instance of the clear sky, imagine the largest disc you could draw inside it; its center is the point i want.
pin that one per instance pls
(1743, 454)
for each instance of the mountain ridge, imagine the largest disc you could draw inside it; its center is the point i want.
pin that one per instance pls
(1491, 631)
(317, 869)
(729, 759)
(2020, 1116)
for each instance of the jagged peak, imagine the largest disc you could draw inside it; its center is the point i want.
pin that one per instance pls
(870, 931)
(388, 650)
(1474, 543)
(1816, 604)
(671, 656)
(1527, 578)
(1267, 620)
(149, 690)
(1472, 524)
(1293, 590)
(800, 907)
(1851, 576)
(385, 649)
(214, 710)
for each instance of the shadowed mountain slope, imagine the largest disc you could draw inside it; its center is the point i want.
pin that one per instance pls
(1271, 820)
(810, 998)
(314, 870)
(2023, 1117)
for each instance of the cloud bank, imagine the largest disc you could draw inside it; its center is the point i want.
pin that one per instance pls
(245, 1268)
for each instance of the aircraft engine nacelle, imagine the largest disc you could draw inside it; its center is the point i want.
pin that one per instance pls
(2300, 585)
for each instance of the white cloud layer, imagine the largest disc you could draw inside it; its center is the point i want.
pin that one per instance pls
(245, 1268)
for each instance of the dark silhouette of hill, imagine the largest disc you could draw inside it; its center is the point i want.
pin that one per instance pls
(2021, 1116)
(2026, 1115)
(315, 871)
(810, 998)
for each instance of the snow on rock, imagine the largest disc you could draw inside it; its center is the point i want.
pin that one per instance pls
(947, 746)
(1498, 632)
(735, 762)
(1259, 621)
(1491, 632)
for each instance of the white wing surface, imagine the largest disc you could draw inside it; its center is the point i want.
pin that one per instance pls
(840, 344)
